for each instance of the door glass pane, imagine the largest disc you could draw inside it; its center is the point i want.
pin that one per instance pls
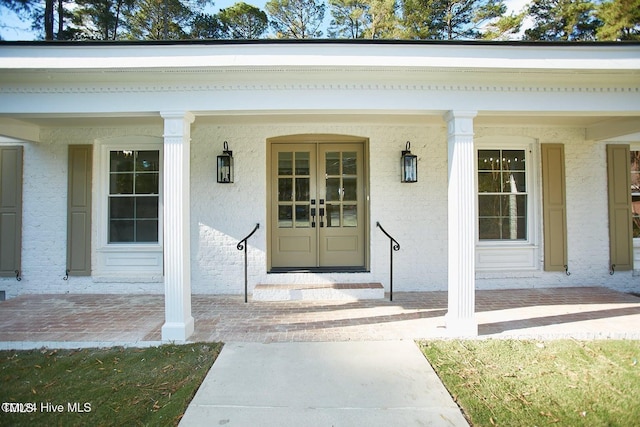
(302, 189)
(333, 189)
(349, 216)
(333, 215)
(350, 189)
(285, 163)
(302, 216)
(332, 163)
(285, 217)
(302, 163)
(285, 189)
(349, 163)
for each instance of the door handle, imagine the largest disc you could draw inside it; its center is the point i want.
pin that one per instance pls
(313, 217)
(321, 217)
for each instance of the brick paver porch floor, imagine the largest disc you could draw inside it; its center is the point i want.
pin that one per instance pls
(80, 320)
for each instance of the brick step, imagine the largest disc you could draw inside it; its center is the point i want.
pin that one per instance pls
(318, 292)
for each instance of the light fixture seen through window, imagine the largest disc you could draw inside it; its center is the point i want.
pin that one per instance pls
(408, 165)
(225, 165)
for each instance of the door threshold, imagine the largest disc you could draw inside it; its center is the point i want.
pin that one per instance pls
(318, 270)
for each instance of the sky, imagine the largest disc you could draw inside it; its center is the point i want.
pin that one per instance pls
(14, 29)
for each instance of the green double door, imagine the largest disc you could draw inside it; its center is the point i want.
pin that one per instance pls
(317, 215)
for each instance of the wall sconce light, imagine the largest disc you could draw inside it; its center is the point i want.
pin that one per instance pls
(225, 165)
(409, 165)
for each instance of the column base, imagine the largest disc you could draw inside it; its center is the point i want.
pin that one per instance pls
(461, 327)
(178, 331)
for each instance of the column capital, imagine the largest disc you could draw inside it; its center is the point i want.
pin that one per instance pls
(460, 122)
(177, 124)
(184, 115)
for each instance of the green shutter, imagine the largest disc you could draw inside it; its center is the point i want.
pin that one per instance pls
(10, 210)
(620, 227)
(554, 207)
(79, 211)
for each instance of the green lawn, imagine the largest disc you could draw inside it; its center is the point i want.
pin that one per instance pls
(540, 383)
(496, 382)
(116, 386)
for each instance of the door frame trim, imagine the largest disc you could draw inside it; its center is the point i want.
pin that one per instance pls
(320, 139)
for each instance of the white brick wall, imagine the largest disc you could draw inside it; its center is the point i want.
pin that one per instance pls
(416, 214)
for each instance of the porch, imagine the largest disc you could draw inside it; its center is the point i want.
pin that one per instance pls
(84, 320)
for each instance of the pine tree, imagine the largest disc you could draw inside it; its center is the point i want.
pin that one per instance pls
(449, 19)
(355, 19)
(296, 19)
(562, 20)
(244, 21)
(384, 23)
(100, 19)
(207, 26)
(159, 20)
(504, 28)
(620, 20)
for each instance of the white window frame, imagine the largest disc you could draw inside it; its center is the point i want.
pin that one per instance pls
(137, 261)
(512, 255)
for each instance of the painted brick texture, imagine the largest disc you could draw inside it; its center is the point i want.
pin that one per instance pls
(415, 214)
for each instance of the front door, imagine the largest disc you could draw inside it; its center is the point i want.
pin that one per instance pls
(317, 206)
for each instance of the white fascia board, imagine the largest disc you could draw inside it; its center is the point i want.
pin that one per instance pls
(265, 55)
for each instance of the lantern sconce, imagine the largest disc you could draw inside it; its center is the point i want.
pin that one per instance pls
(409, 165)
(225, 165)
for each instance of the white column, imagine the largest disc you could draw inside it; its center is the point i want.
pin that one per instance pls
(460, 318)
(179, 323)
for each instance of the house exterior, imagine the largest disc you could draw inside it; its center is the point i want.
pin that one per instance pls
(527, 176)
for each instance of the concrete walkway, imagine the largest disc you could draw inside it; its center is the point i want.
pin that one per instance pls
(366, 383)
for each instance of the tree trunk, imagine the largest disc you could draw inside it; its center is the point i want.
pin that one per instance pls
(48, 20)
(60, 34)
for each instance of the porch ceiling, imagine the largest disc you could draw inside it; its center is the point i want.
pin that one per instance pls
(597, 126)
(298, 117)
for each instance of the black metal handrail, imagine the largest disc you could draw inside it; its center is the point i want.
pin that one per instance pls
(393, 246)
(242, 246)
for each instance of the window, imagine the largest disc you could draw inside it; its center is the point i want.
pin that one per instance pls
(133, 206)
(635, 192)
(502, 195)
